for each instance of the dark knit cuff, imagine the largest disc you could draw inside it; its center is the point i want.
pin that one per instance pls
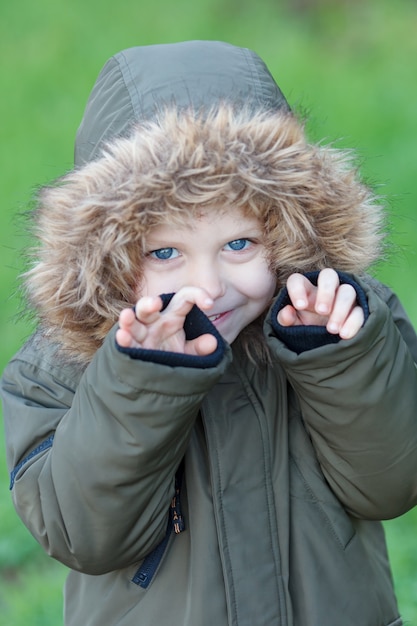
(196, 324)
(302, 338)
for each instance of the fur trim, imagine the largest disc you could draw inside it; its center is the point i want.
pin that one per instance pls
(91, 225)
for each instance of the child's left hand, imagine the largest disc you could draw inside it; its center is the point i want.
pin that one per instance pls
(330, 304)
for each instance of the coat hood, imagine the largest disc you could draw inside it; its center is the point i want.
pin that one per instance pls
(138, 82)
(201, 144)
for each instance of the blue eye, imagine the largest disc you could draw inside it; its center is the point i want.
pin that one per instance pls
(238, 244)
(164, 254)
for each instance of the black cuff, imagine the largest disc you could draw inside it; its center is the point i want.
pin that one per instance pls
(196, 324)
(302, 338)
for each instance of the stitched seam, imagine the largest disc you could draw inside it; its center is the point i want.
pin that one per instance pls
(126, 73)
(320, 507)
(225, 545)
(272, 508)
(257, 84)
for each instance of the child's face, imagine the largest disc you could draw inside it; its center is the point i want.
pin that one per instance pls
(220, 252)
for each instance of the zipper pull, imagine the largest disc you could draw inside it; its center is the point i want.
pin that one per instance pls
(176, 515)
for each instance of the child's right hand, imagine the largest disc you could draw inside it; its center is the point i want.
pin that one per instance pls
(149, 327)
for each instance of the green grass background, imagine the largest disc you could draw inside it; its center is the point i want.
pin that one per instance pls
(350, 65)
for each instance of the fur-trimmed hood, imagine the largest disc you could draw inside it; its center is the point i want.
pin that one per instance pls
(92, 223)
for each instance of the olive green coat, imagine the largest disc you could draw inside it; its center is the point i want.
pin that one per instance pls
(287, 470)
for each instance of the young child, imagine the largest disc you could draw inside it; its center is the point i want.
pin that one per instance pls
(219, 404)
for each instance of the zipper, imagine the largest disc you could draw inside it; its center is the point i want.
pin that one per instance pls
(45, 445)
(144, 575)
(147, 570)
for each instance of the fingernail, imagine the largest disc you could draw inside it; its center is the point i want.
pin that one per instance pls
(333, 328)
(322, 308)
(300, 304)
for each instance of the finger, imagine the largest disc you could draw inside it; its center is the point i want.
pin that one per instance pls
(124, 338)
(343, 305)
(130, 332)
(301, 291)
(353, 323)
(201, 346)
(124, 332)
(184, 300)
(126, 318)
(327, 286)
(287, 316)
(147, 309)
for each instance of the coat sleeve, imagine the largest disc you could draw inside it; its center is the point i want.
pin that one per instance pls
(93, 457)
(358, 400)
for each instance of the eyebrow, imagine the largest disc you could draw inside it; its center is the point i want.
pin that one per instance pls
(162, 243)
(167, 242)
(154, 242)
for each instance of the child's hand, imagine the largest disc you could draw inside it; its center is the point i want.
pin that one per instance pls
(330, 304)
(151, 328)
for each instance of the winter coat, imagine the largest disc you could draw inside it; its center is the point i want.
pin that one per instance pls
(216, 490)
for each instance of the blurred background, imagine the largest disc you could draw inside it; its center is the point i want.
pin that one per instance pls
(349, 66)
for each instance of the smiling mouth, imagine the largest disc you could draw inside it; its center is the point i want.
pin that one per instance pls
(214, 318)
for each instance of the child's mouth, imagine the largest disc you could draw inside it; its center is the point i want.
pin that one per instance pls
(214, 318)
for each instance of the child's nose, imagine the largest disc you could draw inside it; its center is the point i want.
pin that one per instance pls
(207, 276)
